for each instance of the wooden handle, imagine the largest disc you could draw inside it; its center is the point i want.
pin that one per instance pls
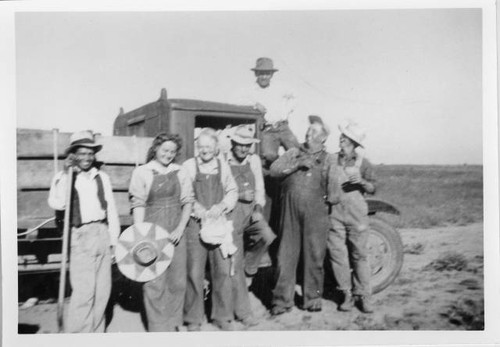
(62, 278)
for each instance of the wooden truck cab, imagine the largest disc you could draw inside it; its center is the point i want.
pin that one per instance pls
(40, 154)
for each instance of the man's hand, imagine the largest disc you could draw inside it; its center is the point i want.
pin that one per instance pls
(70, 161)
(176, 235)
(260, 107)
(355, 178)
(247, 195)
(216, 211)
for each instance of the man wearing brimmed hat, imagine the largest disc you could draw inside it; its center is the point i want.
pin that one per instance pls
(252, 233)
(94, 230)
(307, 175)
(348, 237)
(277, 104)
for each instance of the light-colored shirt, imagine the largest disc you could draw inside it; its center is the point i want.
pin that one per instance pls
(142, 179)
(280, 103)
(228, 183)
(256, 168)
(90, 206)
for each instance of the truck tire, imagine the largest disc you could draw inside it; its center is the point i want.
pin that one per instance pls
(385, 254)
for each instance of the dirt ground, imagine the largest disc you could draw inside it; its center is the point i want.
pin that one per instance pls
(439, 288)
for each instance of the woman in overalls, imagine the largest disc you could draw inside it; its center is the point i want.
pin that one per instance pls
(161, 193)
(348, 236)
(215, 194)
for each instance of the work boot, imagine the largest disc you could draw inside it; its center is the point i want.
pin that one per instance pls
(249, 321)
(225, 325)
(348, 303)
(365, 304)
(278, 310)
(194, 327)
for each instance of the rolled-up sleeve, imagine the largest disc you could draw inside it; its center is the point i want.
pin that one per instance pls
(256, 167)
(57, 193)
(187, 195)
(230, 187)
(138, 189)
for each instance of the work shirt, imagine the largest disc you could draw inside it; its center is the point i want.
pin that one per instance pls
(288, 162)
(90, 206)
(366, 171)
(228, 184)
(142, 179)
(256, 167)
(279, 102)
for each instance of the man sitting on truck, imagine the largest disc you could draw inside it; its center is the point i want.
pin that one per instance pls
(94, 231)
(277, 104)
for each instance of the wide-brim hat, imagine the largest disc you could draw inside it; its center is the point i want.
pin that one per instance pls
(144, 251)
(244, 135)
(83, 139)
(353, 131)
(264, 64)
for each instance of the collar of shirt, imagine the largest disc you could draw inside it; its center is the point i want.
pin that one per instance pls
(207, 167)
(90, 175)
(231, 159)
(156, 166)
(343, 158)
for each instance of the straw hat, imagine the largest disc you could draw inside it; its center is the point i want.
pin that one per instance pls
(353, 131)
(143, 252)
(264, 64)
(244, 135)
(83, 139)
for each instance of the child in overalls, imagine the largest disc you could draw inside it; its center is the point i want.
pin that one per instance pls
(348, 237)
(161, 193)
(215, 194)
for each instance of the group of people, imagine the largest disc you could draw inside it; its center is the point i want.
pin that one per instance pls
(321, 201)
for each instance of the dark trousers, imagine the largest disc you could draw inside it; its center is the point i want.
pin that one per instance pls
(197, 255)
(274, 136)
(164, 296)
(241, 301)
(304, 227)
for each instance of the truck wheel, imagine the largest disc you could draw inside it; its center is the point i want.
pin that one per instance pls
(385, 254)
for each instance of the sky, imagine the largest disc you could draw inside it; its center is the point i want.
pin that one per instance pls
(412, 78)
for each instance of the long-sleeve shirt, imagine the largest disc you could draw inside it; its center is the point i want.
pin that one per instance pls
(290, 162)
(228, 183)
(256, 167)
(90, 206)
(142, 179)
(280, 103)
(366, 171)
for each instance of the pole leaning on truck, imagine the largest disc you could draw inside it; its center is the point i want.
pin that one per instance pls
(62, 278)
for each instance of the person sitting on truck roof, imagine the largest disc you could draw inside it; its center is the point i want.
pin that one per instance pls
(94, 231)
(161, 193)
(252, 233)
(277, 104)
(215, 193)
(348, 236)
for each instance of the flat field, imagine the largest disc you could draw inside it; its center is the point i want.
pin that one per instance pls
(430, 196)
(440, 286)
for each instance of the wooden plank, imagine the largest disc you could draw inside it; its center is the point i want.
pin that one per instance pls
(33, 206)
(116, 149)
(38, 173)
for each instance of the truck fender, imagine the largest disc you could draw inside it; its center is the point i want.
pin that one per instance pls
(375, 206)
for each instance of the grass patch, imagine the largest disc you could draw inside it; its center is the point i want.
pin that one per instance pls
(448, 261)
(430, 196)
(466, 313)
(414, 248)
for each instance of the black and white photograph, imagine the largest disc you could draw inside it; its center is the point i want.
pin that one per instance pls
(275, 174)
